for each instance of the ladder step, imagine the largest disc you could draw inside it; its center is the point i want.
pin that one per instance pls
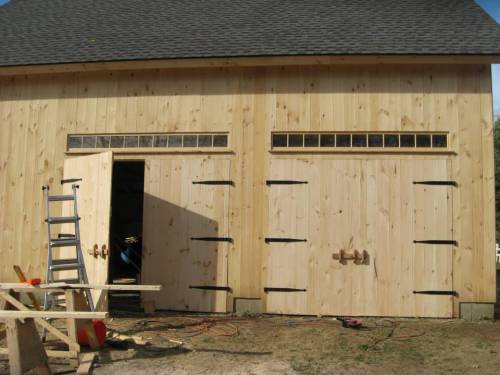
(67, 281)
(62, 219)
(60, 198)
(65, 264)
(63, 242)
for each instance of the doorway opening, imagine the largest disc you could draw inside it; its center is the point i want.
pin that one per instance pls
(127, 198)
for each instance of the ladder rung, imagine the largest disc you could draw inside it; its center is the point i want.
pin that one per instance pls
(65, 264)
(63, 242)
(67, 281)
(59, 198)
(62, 219)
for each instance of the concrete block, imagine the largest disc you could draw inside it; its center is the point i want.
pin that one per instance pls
(247, 306)
(477, 311)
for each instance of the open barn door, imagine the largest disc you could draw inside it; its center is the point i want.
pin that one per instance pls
(94, 208)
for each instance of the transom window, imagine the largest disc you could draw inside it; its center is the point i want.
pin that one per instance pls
(389, 140)
(153, 141)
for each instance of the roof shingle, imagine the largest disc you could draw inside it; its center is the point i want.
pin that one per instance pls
(66, 31)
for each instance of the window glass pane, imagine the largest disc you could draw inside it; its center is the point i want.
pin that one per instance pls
(175, 141)
(117, 141)
(160, 141)
(295, 140)
(204, 140)
(190, 141)
(88, 142)
(311, 140)
(391, 140)
(145, 141)
(375, 140)
(131, 141)
(103, 141)
(327, 140)
(220, 140)
(439, 140)
(279, 140)
(423, 140)
(74, 141)
(359, 140)
(407, 140)
(343, 140)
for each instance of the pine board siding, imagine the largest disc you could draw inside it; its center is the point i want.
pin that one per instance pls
(38, 111)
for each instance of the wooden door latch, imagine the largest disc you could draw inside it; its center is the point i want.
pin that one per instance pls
(359, 257)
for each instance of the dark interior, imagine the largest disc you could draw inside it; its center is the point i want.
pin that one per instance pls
(126, 222)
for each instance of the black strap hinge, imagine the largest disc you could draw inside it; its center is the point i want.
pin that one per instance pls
(267, 290)
(288, 240)
(284, 182)
(439, 183)
(210, 287)
(212, 239)
(214, 182)
(437, 292)
(438, 242)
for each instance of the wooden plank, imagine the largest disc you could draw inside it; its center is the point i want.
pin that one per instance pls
(64, 286)
(53, 314)
(87, 361)
(26, 350)
(73, 345)
(94, 208)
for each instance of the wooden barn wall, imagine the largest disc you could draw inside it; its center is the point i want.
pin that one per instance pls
(37, 112)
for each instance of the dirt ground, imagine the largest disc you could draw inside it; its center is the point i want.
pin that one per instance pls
(290, 345)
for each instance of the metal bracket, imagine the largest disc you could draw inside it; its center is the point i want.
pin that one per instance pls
(267, 290)
(437, 292)
(438, 242)
(213, 239)
(209, 287)
(214, 182)
(286, 240)
(284, 182)
(438, 183)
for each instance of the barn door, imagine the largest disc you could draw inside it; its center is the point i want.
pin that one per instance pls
(287, 237)
(433, 239)
(94, 208)
(186, 233)
(379, 237)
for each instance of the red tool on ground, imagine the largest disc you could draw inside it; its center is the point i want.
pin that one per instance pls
(351, 323)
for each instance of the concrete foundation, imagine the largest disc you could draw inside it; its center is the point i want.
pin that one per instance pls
(248, 306)
(477, 311)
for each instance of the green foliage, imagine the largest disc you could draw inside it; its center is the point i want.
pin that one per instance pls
(497, 175)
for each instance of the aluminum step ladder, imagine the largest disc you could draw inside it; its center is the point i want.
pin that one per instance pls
(74, 262)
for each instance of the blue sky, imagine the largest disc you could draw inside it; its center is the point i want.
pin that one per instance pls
(493, 8)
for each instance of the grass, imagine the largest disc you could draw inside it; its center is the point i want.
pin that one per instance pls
(498, 266)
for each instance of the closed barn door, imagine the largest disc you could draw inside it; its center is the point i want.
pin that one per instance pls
(378, 237)
(186, 233)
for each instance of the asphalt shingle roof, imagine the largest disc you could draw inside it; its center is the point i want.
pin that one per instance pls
(65, 31)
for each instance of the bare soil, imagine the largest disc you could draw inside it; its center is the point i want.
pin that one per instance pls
(291, 345)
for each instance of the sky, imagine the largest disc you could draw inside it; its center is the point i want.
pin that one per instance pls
(493, 8)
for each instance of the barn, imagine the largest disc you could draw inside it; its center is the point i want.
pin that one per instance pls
(317, 157)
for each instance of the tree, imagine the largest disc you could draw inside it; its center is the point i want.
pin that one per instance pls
(497, 176)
